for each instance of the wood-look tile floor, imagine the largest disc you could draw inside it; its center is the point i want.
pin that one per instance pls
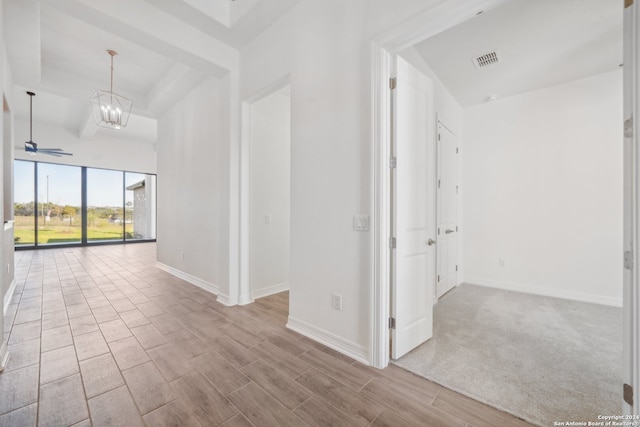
(100, 336)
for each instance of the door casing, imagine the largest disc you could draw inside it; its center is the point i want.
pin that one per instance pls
(631, 235)
(244, 293)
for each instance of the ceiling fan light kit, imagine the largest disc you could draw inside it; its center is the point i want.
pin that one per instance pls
(111, 110)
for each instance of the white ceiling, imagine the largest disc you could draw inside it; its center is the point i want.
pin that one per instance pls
(57, 48)
(540, 42)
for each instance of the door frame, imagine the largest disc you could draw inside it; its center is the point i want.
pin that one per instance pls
(245, 295)
(631, 235)
(384, 50)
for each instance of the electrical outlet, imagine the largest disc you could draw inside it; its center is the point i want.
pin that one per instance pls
(501, 263)
(267, 219)
(336, 302)
(182, 255)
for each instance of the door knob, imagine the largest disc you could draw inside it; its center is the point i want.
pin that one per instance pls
(448, 231)
(431, 242)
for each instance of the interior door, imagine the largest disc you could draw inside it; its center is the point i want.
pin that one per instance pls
(447, 190)
(413, 261)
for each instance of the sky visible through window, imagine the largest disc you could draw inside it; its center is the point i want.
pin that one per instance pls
(64, 184)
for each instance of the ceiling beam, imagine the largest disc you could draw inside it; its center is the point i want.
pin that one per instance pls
(158, 31)
(216, 9)
(196, 18)
(248, 18)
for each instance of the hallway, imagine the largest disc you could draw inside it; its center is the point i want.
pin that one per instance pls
(100, 336)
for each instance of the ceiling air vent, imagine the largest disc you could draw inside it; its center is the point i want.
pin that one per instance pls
(486, 59)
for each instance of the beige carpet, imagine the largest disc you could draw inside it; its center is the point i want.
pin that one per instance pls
(541, 359)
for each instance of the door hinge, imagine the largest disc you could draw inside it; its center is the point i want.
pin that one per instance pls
(392, 322)
(627, 3)
(457, 150)
(628, 127)
(456, 189)
(456, 268)
(392, 83)
(438, 277)
(628, 260)
(456, 228)
(392, 242)
(627, 394)
(438, 183)
(393, 162)
(438, 137)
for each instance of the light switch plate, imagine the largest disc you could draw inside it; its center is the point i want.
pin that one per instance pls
(361, 222)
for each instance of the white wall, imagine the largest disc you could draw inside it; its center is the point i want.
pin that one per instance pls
(101, 151)
(6, 236)
(325, 46)
(543, 191)
(193, 187)
(270, 195)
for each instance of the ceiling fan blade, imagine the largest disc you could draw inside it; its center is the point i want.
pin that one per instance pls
(55, 153)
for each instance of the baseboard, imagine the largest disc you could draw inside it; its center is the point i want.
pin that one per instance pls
(270, 290)
(349, 348)
(225, 300)
(9, 296)
(546, 292)
(4, 355)
(202, 284)
(244, 299)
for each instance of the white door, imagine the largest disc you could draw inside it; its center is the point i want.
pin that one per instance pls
(631, 295)
(447, 190)
(413, 260)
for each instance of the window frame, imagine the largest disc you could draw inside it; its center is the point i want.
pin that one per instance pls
(84, 209)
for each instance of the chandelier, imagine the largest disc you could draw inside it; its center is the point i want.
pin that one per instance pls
(111, 110)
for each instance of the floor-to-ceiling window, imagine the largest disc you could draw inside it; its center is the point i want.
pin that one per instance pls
(140, 206)
(59, 196)
(59, 204)
(24, 203)
(105, 207)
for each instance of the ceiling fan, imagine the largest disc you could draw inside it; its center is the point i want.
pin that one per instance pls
(30, 146)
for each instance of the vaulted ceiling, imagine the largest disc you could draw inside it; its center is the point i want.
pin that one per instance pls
(539, 43)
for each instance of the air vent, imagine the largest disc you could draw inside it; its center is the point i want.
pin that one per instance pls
(486, 59)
